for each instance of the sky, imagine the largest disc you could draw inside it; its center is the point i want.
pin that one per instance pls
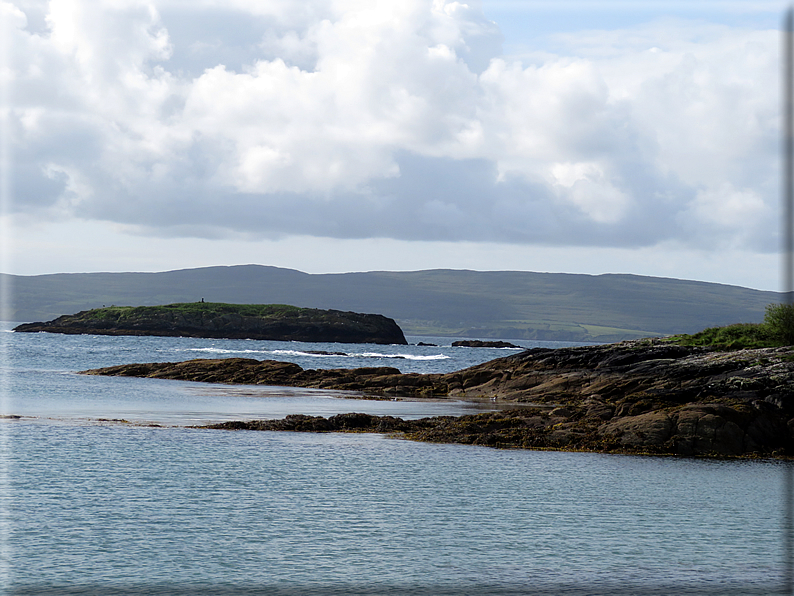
(359, 135)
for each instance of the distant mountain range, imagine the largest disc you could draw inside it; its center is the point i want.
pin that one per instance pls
(453, 303)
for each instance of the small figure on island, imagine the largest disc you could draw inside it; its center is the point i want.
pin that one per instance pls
(202, 300)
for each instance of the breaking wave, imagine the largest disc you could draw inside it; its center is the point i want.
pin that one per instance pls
(320, 354)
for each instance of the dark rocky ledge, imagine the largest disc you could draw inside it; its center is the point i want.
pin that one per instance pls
(478, 343)
(231, 321)
(643, 396)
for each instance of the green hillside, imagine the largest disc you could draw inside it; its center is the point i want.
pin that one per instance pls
(491, 304)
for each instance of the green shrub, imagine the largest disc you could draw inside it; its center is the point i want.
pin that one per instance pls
(779, 320)
(731, 337)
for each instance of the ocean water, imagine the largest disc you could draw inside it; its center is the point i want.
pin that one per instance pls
(41, 382)
(91, 504)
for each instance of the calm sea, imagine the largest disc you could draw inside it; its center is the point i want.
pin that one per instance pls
(94, 505)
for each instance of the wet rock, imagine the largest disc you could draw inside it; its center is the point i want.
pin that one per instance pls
(653, 428)
(595, 408)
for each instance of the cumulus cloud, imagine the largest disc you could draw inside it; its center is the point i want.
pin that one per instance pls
(395, 119)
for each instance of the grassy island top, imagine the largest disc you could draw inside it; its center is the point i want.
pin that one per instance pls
(119, 313)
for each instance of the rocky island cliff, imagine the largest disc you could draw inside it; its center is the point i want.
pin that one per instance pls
(277, 322)
(641, 396)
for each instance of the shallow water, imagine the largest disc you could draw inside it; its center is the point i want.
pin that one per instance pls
(136, 507)
(41, 380)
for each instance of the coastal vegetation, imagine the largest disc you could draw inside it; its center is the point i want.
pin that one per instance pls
(776, 330)
(133, 313)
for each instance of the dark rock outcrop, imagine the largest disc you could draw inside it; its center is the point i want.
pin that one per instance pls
(230, 321)
(377, 381)
(477, 343)
(644, 396)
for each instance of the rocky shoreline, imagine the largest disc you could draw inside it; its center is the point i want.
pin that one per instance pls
(641, 396)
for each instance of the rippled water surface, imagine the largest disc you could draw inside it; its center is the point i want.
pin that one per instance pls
(103, 507)
(41, 380)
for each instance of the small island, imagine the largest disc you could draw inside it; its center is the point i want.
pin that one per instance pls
(277, 322)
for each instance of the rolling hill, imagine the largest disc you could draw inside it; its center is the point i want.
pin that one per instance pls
(461, 303)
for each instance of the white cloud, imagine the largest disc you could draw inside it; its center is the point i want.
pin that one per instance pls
(723, 215)
(585, 185)
(395, 119)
